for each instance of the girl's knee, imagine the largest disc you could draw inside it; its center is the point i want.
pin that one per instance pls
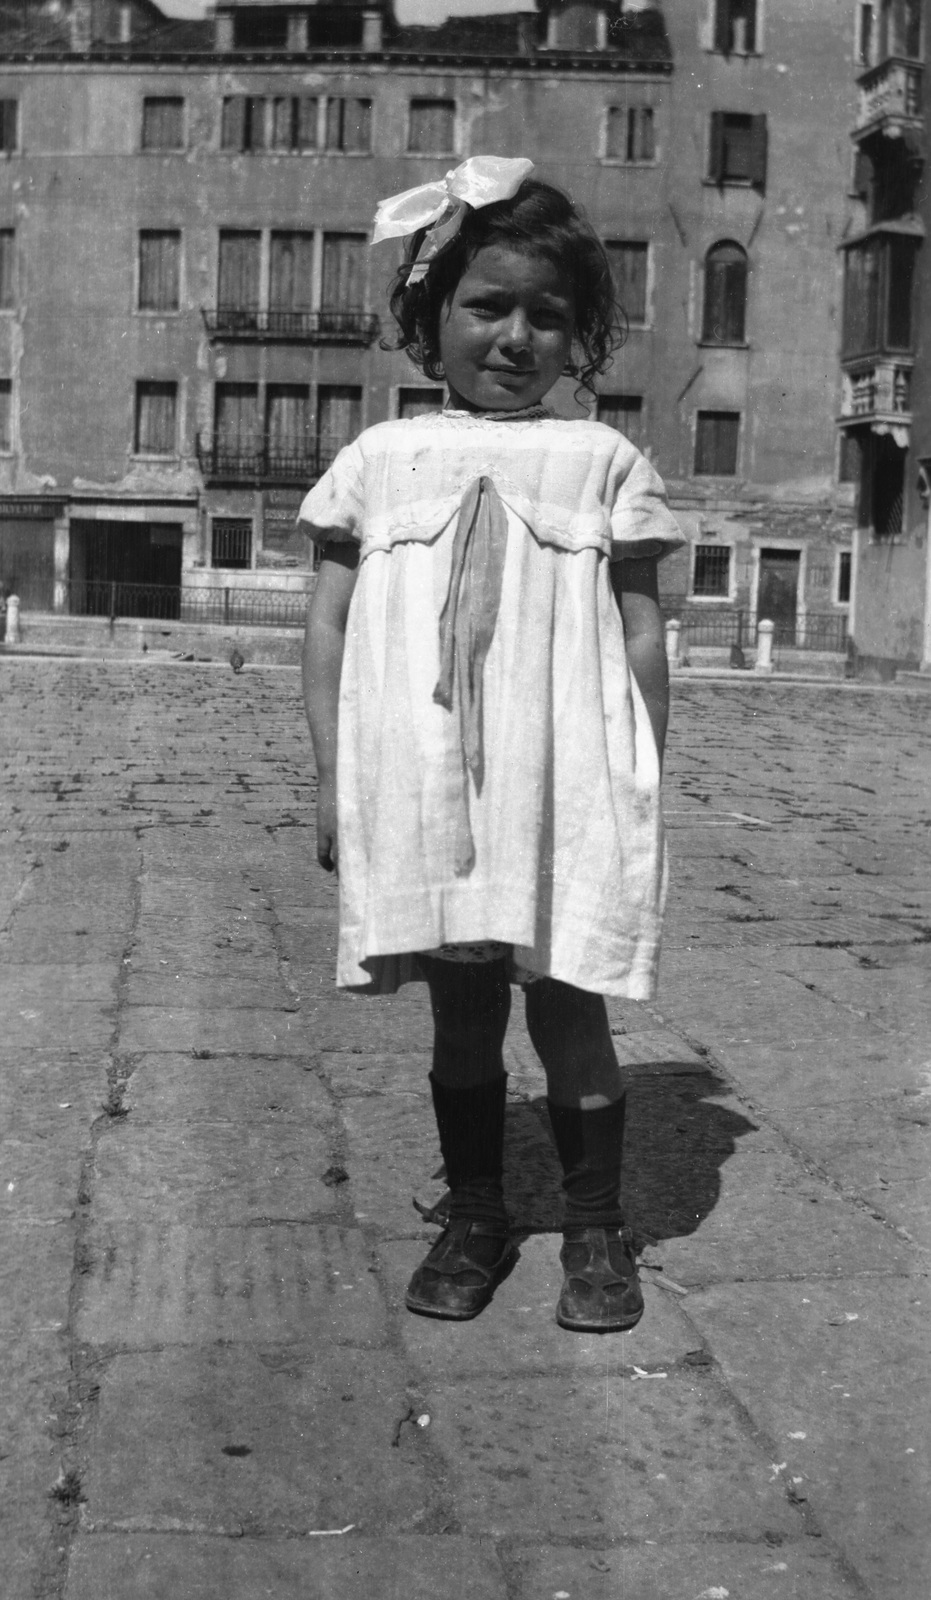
(558, 1008)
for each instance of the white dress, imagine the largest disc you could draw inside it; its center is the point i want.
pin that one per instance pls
(566, 826)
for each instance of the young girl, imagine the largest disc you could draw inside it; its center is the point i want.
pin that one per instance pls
(485, 682)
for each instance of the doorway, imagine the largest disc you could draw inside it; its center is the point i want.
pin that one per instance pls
(777, 593)
(125, 569)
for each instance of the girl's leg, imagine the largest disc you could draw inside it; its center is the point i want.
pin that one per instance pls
(471, 1004)
(586, 1099)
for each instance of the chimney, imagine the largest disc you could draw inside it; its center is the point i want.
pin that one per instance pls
(126, 21)
(223, 38)
(297, 32)
(80, 26)
(372, 33)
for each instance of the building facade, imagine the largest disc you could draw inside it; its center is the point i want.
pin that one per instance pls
(192, 322)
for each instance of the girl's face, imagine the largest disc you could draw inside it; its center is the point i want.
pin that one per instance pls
(505, 331)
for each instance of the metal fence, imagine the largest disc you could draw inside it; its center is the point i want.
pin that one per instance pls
(253, 608)
(712, 628)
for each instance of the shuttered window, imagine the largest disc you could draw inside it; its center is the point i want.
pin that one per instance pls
(9, 125)
(419, 402)
(163, 122)
(238, 282)
(432, 127)
(236, 418)
(878, 294)
(159, 270)
(339, 417)
(349, 125)
(243, 122)
(725, 294)
(7, 268)
(716, 436)
(623, 412)
(344, 256)
(735, 26)
(291, 272)
(630, 134)
(737, 148)
(287, 421)
(156, 407)
(294, 122)
(628, 260)
(6, 419)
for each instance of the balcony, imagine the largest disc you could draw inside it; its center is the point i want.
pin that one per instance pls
(889, 98)
(291, 327)
(264, 461)
(878, 393)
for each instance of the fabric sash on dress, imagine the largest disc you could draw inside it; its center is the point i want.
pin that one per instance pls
(467, 625)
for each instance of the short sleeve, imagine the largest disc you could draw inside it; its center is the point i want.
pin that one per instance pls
(641, 521)
(331, 512)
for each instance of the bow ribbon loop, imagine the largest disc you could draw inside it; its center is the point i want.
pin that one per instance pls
(478, 182)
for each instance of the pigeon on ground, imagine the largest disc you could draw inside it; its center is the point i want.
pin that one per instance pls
(237, 661)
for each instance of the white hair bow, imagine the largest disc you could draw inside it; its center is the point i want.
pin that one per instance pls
(441, 206)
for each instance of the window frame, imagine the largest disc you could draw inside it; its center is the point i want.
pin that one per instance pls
(216, 522)
(159, 311)
(840, 556)
(729, 342)
(727, 547)
(163, 149)
(644, 245)
(433, 100)
(7, 444)
(10, 146)
(342, 100)
(877, 306)
(707, 412)
(757, 151)
(166, 385)
(9, 278)
(628, 110)
(720, 14)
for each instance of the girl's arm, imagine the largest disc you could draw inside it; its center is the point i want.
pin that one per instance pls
(324, 642)
(635, 589)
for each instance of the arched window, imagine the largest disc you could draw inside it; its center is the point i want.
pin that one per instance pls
(725, 294)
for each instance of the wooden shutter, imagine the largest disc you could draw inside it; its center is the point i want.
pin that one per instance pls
(8, 120)
(623, 412)
(307, 122)
(758, 145)
(725, 295)
(722, 26)
(291, 272)
(155, 418)
(629, 268)
(236, 417)
(334, 124)
(432, 127)
(343, 272)
(616, 135)
(7, 258)
(716, 147)
(284, 120)
(357, 125)
(232, 128)
(643, 138)
(716, 438)
(238, 287)
(158, 271)
(286, 421)
(254, 124)
(339, 417)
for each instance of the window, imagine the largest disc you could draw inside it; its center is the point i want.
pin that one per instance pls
(238, 280)
(349, 126)
(260, 29)
(7, 266)
(725, 294)
(287, 423)
(419, 402)
(842, 582)
(432, 127)
(6, 415)
(899, 32)
(623, 412)
(156, 405)
(159, 274)
(735, 27)
(848, 465)
(865, 34)
(628, 261)
(9, 125)
(339, 417)
(290, 284)
(711, 576)
(163, 123)
(716, 436)
(630, 135)
(236, 416)
(294, 122)
(878, 291)
(882, 485)
(737, 151)
(344, 259)
(231, 543)
(243, 122)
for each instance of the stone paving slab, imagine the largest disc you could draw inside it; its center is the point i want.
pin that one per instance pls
(214, 1174)
(260, 1440)
(36, 1261)
(35, 1381)
(250, 1032)
(600, 1455)
(179, 1086)
(354, 1567)
(795, 1073)
(42, 1090)
(143, 1286)
(783, 1569)
(832, 1364)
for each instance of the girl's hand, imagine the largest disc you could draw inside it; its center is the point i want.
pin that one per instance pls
(327, 836)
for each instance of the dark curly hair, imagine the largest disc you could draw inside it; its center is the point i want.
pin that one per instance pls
(538, 220)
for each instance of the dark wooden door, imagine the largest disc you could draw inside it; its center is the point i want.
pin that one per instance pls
(777, 599)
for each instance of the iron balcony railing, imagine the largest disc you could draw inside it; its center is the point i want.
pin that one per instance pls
(721, 628)
(264, 461)
(295, 327)
(256, 608)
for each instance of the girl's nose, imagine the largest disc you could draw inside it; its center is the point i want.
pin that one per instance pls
(516, 334)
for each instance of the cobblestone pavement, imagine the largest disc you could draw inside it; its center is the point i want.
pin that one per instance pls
(211, 1388)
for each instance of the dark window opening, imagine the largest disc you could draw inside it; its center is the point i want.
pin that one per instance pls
(899, 31)
(7, 269)
(735, 27)
(738, 148)
(432, 129)
(231, 543)
(9, 125)
(623, 412)
(878, 293)
(843, 578)
(865, 41)
(628, 260)
(335, 32)
(349, 125)
(725, 309)
(265, 28)
(886, 174)
(163, 122)
(716, 436)
(159, 270)
(6, 414)
(155, 430)
(711, 578)
(882, 486)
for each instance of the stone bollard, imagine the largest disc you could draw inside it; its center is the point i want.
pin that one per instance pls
(764, 646)
(12, 619)
(673, 627)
